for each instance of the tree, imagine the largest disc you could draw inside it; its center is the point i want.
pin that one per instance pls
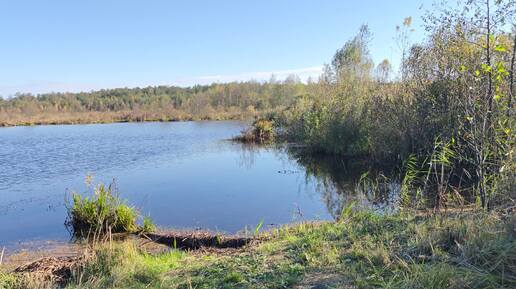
(383, 71)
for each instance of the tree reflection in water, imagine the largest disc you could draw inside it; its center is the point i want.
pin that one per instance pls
(341, 182)
(338, 181)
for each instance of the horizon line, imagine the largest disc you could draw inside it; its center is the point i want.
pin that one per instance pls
(47, 87)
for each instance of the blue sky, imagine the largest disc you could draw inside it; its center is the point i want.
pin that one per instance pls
(80, 45)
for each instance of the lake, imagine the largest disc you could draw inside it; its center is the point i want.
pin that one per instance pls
(181, 174)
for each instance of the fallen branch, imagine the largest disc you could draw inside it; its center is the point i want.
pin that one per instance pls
(196, 240)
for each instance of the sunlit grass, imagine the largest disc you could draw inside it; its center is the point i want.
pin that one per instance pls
(367, 250)
(103, 213)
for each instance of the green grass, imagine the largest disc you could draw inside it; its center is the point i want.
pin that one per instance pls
(363, 250)
(148, 225)
(102, 213)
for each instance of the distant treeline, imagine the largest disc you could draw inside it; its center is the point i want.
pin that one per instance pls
(217, 101)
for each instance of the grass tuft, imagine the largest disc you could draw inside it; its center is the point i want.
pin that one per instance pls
(103, 213)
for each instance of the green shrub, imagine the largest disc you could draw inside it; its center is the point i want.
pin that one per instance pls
(102, 213)
(261, 131)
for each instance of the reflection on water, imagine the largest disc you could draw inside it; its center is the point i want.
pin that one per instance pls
(341, 182)
(337, 181)
(183, 175)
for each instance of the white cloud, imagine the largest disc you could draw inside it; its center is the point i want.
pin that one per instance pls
(45, 87)
(303, 73)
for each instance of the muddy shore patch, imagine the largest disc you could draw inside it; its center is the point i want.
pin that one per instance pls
(58, 268)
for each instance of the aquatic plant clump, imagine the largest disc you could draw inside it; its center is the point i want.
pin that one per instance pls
(261, 131)
(101, 214)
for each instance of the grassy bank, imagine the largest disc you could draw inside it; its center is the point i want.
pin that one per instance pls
(7, 120)
(362, 250)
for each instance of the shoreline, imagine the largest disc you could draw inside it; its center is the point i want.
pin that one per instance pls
(180, 239)
(110, 121)
(362, 249)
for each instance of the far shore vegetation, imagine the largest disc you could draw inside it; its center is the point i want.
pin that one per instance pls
(443, 127)
(231, 101)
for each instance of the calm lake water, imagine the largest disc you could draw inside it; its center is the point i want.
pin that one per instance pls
(181, 174)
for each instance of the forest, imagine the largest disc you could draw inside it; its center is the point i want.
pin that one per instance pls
(238, 100)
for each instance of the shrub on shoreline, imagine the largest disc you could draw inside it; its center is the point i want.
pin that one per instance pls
(103, 213)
